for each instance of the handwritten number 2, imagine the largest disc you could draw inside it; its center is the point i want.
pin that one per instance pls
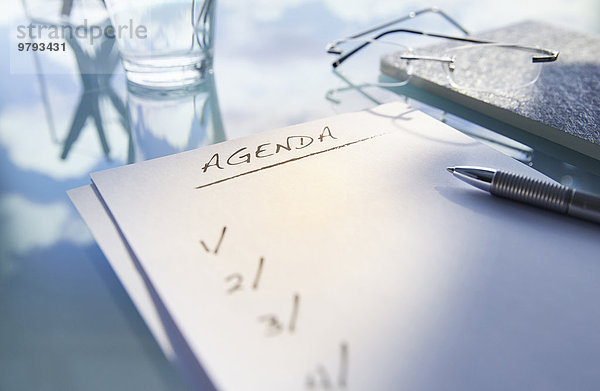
(237, 286)
(239, 279)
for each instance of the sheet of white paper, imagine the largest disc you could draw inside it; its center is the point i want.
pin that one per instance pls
(349, 258)
(142, 293)
(108, 238)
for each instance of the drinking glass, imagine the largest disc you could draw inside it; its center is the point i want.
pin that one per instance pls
(164, 43)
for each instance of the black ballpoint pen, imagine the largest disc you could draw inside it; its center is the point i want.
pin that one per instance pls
(542, 194)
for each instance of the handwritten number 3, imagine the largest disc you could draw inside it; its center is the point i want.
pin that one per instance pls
(274, 326)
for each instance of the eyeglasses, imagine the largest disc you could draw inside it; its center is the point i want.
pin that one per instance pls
(468, 63)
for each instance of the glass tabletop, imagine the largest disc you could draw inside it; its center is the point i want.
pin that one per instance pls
(66, 322)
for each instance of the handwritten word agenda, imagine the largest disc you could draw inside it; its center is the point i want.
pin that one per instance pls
(246, 155)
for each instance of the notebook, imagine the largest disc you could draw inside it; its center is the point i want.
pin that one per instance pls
(562, 106)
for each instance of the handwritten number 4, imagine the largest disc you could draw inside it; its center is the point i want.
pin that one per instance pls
(320, 378)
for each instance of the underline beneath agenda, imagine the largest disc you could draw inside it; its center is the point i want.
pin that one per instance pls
(290, 160)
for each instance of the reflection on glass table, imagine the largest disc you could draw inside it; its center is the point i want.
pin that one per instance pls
(195, 109)
(352, 94)
(65, 320)
(168, 122)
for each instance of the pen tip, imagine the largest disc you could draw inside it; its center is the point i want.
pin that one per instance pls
(450, 169)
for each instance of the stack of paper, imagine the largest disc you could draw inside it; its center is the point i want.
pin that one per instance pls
(339, 254)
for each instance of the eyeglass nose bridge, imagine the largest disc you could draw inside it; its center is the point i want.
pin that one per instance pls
(449, 61)
(444, 59)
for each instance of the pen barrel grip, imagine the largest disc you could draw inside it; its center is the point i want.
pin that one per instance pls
(585, 206)
(532, 191)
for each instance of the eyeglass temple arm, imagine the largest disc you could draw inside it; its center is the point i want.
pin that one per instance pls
(412, 15)
(330, 47)
(551, 56)
(343, 58)
(542, 55)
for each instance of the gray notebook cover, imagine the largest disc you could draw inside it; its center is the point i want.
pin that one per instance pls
(563, 106)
